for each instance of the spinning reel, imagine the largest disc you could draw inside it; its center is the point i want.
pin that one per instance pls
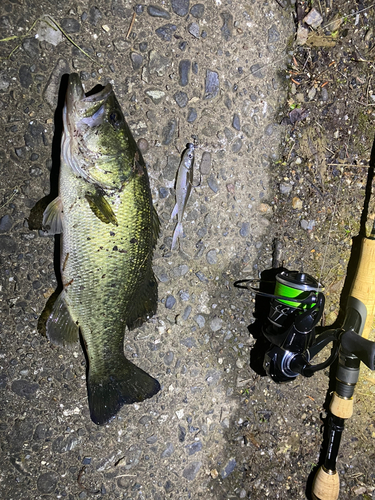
(296, 307)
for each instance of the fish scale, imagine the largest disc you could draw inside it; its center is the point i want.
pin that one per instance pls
(108, 231)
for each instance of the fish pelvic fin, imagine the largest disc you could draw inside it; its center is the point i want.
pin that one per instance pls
(61, 329)
(122, 383)
(178, 232)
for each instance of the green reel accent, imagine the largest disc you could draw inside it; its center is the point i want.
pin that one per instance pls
(296, 286)
(292, 293)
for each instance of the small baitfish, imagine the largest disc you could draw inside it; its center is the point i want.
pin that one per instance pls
(184, 184)
(108, 229)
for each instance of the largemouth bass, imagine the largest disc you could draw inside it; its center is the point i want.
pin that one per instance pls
(184, 182)
(108, 229)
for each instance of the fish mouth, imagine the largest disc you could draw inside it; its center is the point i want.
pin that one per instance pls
(77, 104)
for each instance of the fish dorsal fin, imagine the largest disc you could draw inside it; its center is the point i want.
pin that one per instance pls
(101, 208)
(61, 328)
(52, 217)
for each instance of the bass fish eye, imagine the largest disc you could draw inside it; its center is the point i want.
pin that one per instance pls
(115, 119)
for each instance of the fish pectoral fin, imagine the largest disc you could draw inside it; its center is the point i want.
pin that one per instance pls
(110, 388)
(52, 217)
(101, 208)
(61, 328)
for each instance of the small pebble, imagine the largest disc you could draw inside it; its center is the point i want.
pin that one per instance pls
(155, 95)
(166, 32)
(285, 188)
(24, 388)
(236, 124)
(192, 115)
(169, 132)
(136, 60)
(297, 203)
(167, 451)
(307, 225)
(237, 145)
(191, 470)
(181, 98)
(184, 70)
(200, 320)
(170, 301)
(143, 145)
(205, 165)
(269, 130)
(211, 84)
(245, 229)
(181, 433)
(197, 10)
(70, 25)
(194, 447)
(152, 439)
(227, 27)
(211, 257)
(273, 35)
(155, 11)
(180, 7)
(216, 324)
(193, 29)
(229, 468)
(186, 313)
(212, 183)
(168, 358)
(6, 223)
(94, 15)
(189, 342)
(46, 482)
(257, 71)
(324, 94)
(201, 277)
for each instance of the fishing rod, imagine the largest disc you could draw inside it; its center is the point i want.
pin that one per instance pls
(354, 348)
(295, 309)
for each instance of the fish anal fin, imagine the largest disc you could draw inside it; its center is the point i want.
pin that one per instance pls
(61, 329)
(101, 208)
(112, 387)
(155, 227)
(144, 304)
(52, 217)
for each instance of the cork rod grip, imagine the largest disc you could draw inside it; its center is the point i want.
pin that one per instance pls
(326, 485)
(363, 287)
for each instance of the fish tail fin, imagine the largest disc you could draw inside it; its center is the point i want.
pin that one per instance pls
(178, 232)
(111, 388)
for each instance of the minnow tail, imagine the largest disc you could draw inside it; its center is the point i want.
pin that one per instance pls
(178, 232)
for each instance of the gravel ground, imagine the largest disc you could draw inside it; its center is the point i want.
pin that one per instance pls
(283, 136)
